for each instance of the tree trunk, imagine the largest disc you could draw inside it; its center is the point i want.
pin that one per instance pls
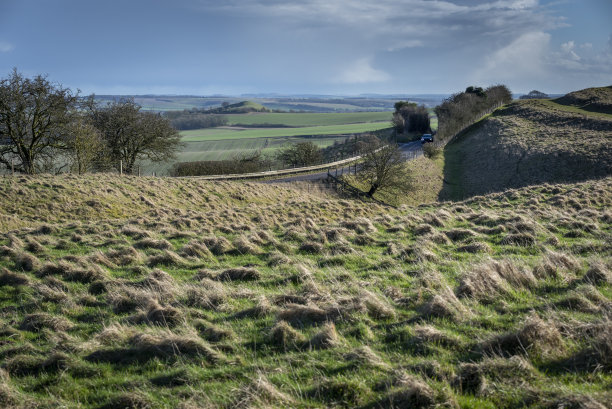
(372, 190)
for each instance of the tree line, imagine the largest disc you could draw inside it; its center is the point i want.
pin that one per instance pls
(464, 108)
(45, 127)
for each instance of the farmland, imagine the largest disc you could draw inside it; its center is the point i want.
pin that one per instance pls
(323, 129)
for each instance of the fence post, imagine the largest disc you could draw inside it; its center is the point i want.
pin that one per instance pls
(121, 167)
(139, 171)
(12, 168)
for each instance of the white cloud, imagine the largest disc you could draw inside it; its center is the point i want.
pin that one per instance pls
(568, 49)
(362, 72)
(523, 57)
(6, 47)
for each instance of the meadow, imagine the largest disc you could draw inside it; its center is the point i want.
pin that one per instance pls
(124, 292)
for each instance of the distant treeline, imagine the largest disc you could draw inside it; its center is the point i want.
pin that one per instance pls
(194, 119)
(246, 163)
(464, 108)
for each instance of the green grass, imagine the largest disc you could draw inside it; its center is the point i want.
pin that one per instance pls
(309, 119)
(376, 274)
(221, 133)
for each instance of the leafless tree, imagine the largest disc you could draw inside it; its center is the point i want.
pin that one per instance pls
(383, 169)
(34, 114)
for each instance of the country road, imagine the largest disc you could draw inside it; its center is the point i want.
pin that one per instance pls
(409, 150)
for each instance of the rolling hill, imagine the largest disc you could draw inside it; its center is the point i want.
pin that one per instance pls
(530, 142)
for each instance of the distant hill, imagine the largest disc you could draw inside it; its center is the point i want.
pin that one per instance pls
(533, 141)
(590, 99)
(243, 107)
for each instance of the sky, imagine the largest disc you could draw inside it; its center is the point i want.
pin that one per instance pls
(333, 47)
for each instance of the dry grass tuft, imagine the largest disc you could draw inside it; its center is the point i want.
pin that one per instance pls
(149, 243)
(470, 379)
(364, 356)
(377, 307)
(261, 393)
(26, 262)
(239, 273)
(128, 400)
(125, 256)
(598, 273)
(536, 336)
(519, 239)
(158, 315)
(166, 258)
(311, 247)
(38, 321)
(414, 393)
(282, 335)
(445, 305)
(12, 279)
(195, 249)
(244, 246)
(213, 333)
(427, 334)
(218, 245)
(460, 234)
(165, 345)
(494, 278)
(476, 247)
(326, 338)
(557, 265)
(302, 315)
(23, 365)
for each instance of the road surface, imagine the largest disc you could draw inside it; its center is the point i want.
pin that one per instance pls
(409, 150)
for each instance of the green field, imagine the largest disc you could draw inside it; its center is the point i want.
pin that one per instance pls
(309, 119)
(229, 148)
(228, 133)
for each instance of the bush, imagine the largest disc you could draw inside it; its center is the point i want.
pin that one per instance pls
(431, 151)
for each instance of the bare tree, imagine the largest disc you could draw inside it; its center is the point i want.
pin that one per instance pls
(383, 169)
(34, 114)
(131, 135)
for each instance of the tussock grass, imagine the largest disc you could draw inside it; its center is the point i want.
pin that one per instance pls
(394, 305)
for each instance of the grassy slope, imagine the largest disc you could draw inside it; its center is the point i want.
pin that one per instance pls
(128, 292)
(529, 142)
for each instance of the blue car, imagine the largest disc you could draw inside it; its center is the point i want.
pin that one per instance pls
(426, 138)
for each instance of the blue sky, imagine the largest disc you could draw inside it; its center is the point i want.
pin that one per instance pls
(348, 47)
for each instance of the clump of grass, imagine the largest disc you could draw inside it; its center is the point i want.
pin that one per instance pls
(261, 393)
(327, 337)
(218, 245)
(213, 333)
(301, 315)
(158, 315)
(476, 247)
(470, 379)
(519, 239)
(26, 261)
(125, 256)
(195, 249)
(535, 337)
(128, 400)
(445, 305)
(150, 243)
(239, 274)
(244, 246)
(284, 336)
(166, 258)
(557, 265)
(364, 356)
(598, 273)
(460, 234)
(36, 322)
(494, 278)
(23, 365)
(414, 393)
(165, 345)
(12, 279)
(377, 308)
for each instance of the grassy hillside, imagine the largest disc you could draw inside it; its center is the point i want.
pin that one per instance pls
(530, 142)
(159, 293)
(590, 99)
